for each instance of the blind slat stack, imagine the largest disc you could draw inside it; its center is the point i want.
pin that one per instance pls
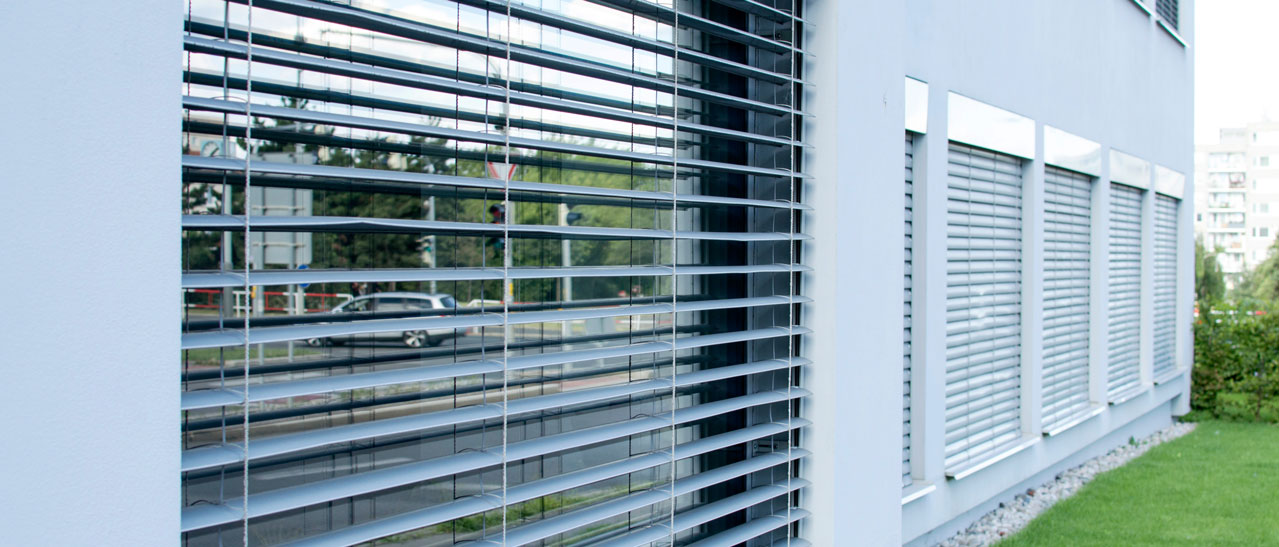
(1067, 251)
(983, 304)
(1124, 368)
(1165, 287)
(481, 270)
(909, 285)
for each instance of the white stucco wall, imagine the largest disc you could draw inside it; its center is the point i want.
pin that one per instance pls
(1100, 69)
(89, 216)
(1103, 70)
(857, 97)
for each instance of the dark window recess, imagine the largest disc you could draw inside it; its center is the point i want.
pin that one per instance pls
(1167, 10)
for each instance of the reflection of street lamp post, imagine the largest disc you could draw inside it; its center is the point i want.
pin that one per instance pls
(429, 255)
(566, 257)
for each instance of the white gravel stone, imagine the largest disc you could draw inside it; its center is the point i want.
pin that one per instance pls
(1013, 516)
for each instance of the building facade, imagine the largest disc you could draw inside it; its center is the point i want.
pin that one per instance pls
(725, 272)
(1237, 200)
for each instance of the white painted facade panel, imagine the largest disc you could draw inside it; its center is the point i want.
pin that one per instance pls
(933, 389)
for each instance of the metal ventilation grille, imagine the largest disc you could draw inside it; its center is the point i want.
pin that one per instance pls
(1167, 10)
(1165, 286)
(483, 270)
(983, 304)
(1124, 369)
(910, 245)
(1067, 248)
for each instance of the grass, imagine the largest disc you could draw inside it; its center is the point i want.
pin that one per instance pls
(209, 356)
(1219, 485)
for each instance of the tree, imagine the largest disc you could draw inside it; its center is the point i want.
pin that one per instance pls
(1209, 285)
(1262, 283)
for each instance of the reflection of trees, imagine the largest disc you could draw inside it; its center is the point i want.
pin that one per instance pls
(348, 250)
(201, 250)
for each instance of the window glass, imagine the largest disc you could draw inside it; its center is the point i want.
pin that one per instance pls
(380, 134)
(358, 305)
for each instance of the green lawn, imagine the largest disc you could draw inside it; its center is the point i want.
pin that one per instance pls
(1219, 485)
(235, 354)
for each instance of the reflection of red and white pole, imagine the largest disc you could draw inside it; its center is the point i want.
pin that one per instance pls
(501, 171)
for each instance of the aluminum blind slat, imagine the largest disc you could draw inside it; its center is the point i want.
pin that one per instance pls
(319, 224)
(275, 501)
(983, 303)
(416, 129)
(1165, 286)
(1125, 237)
(1067, 277)
(260, 335)
(403, 28)
(423, 78)
(719, 509)
(292, 277)
(908, 283)
(274, 446)
(754, 529)
(524, 492)
(543, 529)
(354, 173)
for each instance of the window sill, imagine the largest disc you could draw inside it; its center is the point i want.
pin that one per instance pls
(1143, 7)
(1089, 414)
(1176, 374)
(962, 472)
(1128, 395)
(917, 490)
(1171, 32)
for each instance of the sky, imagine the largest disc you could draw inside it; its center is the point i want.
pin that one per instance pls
(1236, 64)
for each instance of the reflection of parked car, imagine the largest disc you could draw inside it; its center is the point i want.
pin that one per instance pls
(396, 302)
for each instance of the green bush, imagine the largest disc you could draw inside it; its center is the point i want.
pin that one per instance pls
(1236, 372)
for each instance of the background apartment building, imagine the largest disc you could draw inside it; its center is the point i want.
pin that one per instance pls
(1237, 196)
(592, 272)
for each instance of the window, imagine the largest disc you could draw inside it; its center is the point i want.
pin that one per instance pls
(1167, 10)
(615, 197)
(983, 301)
(1263, 161)
(1124, 319)
(1067, 258)
(1263, 231)
(1165, 284)
(1270, 137)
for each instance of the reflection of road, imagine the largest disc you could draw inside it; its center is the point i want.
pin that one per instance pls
(365, 348)
(359, 348)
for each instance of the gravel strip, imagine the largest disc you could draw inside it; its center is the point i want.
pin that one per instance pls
(1011, 517)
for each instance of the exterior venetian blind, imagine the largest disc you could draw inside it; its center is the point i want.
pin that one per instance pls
(1067, 248)
(491, 271)
(1165, 287)
(1167, 10)
(983, 304)
(910, 245)
(1124, 369)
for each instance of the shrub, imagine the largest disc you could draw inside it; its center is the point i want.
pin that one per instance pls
(1236, 372)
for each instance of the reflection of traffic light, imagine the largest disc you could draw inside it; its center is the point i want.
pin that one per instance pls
(424, 247)
(498, 213)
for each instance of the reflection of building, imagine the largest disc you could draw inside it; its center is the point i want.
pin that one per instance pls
(1237, 196)
(773, 338)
